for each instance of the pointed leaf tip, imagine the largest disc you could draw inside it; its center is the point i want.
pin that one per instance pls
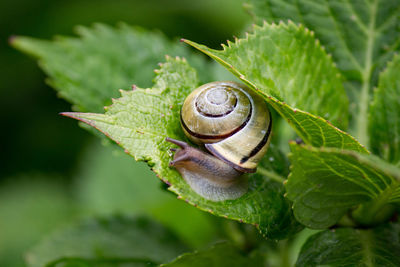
(11, 39)
(67, 114)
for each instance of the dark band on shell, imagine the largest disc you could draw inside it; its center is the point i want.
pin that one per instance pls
(260, 145)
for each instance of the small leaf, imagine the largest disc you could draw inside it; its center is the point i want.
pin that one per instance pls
(88, 71)
(286, 63)
(113, 240)
(325, 183)
(141, 120)
(384, 120)
(361, 35)
(353, 247)
(220, 255)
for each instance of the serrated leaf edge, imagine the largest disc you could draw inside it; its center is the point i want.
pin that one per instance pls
(243, 78)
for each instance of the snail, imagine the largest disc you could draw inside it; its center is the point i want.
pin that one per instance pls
(233, 124)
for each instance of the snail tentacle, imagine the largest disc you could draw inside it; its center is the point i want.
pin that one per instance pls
(207, 175)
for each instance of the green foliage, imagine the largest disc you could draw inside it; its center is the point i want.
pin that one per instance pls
(333, 180)
(116, 241)
(325, 183)
(125, 57)
(348, 29)
(384, 123)
(310, 81)
(133, 124)
(296, 70)
(361, 35)
(353, 247)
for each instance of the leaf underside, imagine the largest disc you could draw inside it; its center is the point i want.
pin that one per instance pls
(140, 121)
(352, 247)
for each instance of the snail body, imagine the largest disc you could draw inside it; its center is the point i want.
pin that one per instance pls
(234, 125)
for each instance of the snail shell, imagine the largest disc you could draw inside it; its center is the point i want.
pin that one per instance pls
(234, 125)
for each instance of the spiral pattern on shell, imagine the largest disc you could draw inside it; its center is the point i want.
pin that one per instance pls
(232, 121)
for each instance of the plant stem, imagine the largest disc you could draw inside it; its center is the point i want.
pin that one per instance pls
(366, 241)
(362, 118)
(346, 221)
(377, 210)
(271, 174)
(284, 253)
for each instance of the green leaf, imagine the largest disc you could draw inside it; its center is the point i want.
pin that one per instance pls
(220, 255)
(315, 130)
(395, 198)
(285, 63)
(384, 119)
(325, 183)
(108, 240)
(352, 247)
(141, 120)
(88, 71)
(361, 35)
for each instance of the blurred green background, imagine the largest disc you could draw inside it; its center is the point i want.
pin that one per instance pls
(52, 171)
